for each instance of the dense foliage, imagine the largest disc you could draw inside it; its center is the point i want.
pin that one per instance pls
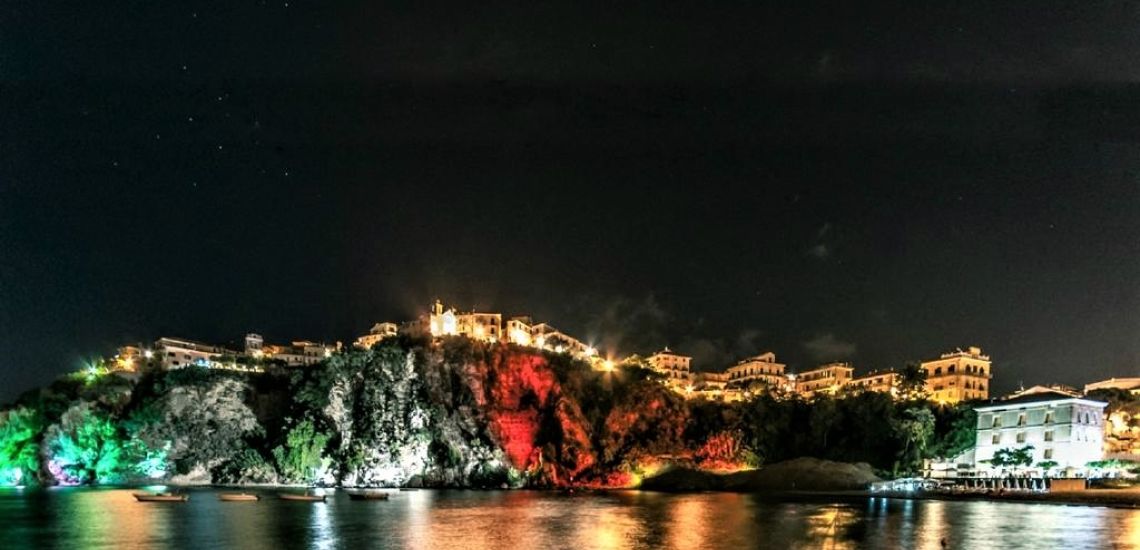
(460, 413)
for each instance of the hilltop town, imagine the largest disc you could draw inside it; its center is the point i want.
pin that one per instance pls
(950, 377)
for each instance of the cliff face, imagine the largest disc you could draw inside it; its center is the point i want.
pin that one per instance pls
(455, 413)
(467, 414)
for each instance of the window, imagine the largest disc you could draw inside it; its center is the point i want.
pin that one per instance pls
(996, 439)
(997, 421)
(950, 369)
(1048, 454)
(1021, 419)
(1048, 420)
(1049, 436)
(938, 371)
(1021, 437)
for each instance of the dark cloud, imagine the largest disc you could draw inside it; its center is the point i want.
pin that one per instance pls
(714, 354)
(826, 347)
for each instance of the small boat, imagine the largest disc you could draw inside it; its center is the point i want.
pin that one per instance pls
(160, 497)
(238, 497)
(301, 497)
(368, 495)
(406, 489)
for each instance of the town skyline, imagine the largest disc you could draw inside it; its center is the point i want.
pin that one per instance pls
(709, 381)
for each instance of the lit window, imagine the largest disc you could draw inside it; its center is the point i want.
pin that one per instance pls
(1048, 436)
(997, 421)
(1048, 454)
(996, 439)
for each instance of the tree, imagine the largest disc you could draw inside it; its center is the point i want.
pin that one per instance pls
(84, 447)
(954, 430)
(914, 429)
(19, 445)
(912, 382)
(1047, 465)
(300, 458)
(1013, 458)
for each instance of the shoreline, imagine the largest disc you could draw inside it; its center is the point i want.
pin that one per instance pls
(1108, 498)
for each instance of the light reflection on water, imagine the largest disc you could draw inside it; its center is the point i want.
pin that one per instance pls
(519, 520)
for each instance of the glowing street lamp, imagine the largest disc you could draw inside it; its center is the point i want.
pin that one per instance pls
(608, 364)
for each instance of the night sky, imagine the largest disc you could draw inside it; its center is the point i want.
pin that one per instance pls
(874, 183)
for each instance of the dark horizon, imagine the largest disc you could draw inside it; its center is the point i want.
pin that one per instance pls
(872, 185)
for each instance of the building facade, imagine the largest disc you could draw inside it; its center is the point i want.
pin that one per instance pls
(178, 353)
(378, 332)
(826, 379)
(958, 376)
(478, 326)
(762, 369)
(674, 366)
(878, 381)
(1131, 385)
(1061, 428)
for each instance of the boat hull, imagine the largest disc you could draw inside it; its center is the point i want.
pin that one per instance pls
(302, 498)
(238, 498)
(161, 498)
(368, 496)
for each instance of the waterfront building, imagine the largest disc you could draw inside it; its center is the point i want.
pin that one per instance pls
(1131, 385)
(378, 332)
(674, 366)
(886, 381)
(1061, 428)
(177, 353)
(762, 369)
(958, 376)
(827, 379)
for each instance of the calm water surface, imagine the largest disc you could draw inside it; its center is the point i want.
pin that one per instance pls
(517, 520)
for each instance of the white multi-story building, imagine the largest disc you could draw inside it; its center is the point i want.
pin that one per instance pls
(674, 366)
(1061, 428)
(177, 353)
(761, 369)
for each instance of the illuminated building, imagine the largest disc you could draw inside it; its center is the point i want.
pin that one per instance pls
(878, 381)
(761, 369)
(958, 376)
(378, 332)
(128, 359)
(518, 331)
(1131, 385)
(300, 353)
(823, 379)
(177, 353)
(547, 337)
(1061, 428)
(673, 365)
(478, 326)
